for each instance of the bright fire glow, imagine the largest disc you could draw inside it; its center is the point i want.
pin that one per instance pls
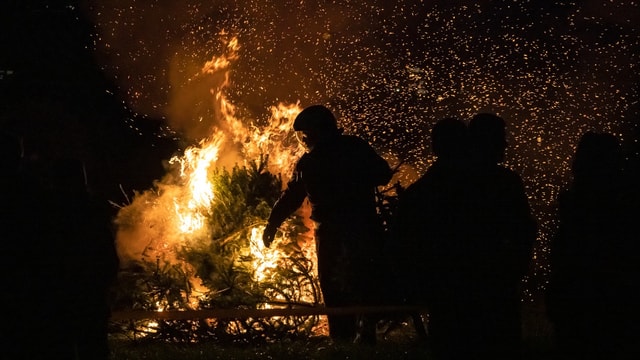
(175, 213)
(194, 168)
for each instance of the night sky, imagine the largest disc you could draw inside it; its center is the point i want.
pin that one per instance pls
(115, 81)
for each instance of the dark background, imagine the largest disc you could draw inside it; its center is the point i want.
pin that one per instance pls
(56, 98)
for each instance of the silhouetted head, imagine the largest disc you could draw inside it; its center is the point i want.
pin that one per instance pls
(597, 155)
(314, 124)
(488, 137)
(449, 138)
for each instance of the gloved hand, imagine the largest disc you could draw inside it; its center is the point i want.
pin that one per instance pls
(268, 234)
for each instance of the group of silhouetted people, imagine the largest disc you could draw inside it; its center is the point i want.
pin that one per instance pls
(462, 236)
(59, 260)
(459, 243)
(467, 233)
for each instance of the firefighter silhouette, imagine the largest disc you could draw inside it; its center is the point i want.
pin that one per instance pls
(338, 175)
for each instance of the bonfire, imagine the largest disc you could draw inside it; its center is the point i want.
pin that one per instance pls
(193, 241)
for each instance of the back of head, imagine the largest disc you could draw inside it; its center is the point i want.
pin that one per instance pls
(488, 137)
(449, 138)
(597, 155)
(316, 118)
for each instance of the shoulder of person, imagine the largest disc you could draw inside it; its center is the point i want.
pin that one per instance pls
(353, 140)
(418, 187)
(303, 161)
(565, 195)
(508, 173)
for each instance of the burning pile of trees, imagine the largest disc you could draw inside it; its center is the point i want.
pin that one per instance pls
(229, 269)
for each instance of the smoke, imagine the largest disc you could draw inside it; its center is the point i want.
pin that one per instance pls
(155, 53)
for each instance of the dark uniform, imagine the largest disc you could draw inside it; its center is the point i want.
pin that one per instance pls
(339, 176)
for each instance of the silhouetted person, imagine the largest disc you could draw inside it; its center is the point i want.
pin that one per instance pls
(73, 266)
(32, 329)
(10, 176)
(429, 229)
(15, 325)
(502, 232)
(592, 298)
(338, 174)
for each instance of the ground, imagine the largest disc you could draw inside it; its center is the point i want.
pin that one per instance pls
(396, 340)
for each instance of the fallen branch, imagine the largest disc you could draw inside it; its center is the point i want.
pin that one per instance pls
(258, 313)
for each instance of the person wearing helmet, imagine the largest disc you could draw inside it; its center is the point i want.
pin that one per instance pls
(338, 175)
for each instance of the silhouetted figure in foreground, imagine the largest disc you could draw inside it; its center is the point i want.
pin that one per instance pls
(430, 234)
(468, 225)
(502, 235)
(14, 325)
(66, 263)
(338, 174)
(592, 298)
(81, 230)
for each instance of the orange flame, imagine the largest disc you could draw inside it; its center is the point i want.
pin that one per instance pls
(175, 213)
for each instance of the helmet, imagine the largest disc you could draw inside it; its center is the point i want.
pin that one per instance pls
(315, 118)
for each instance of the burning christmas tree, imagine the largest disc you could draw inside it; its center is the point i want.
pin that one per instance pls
(194, 240)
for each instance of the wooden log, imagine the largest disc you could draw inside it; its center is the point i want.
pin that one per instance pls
(258, 313)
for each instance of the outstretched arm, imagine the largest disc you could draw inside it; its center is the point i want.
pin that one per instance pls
(290, 200)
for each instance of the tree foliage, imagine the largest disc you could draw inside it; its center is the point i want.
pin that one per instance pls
(225, 266)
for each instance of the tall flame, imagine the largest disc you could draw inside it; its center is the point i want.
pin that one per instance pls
(175, 213)
(194, 168)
